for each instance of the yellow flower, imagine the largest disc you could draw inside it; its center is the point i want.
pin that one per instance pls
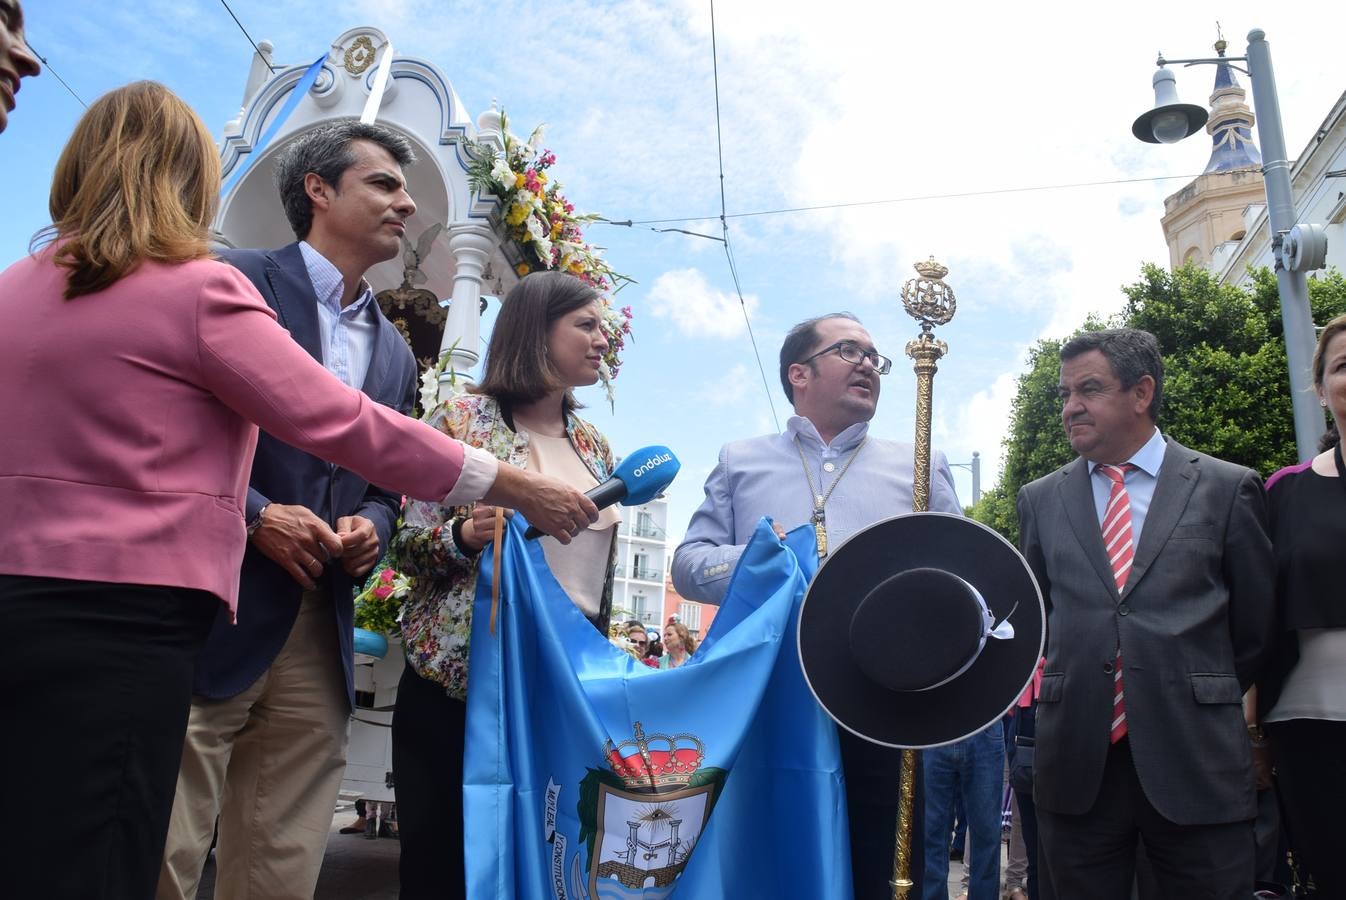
(517, 213)
(521, 269)
(518, 179)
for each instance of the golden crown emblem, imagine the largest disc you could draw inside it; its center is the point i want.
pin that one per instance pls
(931, 269)
(657, 761)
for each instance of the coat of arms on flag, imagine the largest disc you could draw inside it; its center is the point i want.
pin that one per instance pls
(641, 817)
(588, 775)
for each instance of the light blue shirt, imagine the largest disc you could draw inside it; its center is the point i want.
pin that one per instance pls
(348, 334)
(763, 476)
(1139, 483)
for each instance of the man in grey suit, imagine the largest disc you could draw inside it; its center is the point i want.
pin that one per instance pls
(825, 470)
(1156, 569)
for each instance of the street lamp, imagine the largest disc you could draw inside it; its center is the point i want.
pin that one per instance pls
(975, 468)
(1296, 248)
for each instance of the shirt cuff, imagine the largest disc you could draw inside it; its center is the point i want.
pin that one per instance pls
(476, 478)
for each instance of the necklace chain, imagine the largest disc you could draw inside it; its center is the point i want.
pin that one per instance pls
(819, 517)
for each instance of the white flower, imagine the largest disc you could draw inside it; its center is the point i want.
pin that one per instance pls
(535, 229)
(502, 174)
(535, 139)
(429, 389)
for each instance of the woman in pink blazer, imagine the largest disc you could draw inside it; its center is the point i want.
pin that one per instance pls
(134, 372)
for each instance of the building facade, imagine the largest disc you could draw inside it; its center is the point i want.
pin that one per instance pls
(1219, 220)
(642, 563)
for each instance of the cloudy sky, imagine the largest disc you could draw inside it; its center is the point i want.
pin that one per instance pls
(821, 104)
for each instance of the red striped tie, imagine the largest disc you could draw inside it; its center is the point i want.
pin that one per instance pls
(1119, 544)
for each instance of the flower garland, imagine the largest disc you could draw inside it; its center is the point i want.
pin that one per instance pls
(545, 226)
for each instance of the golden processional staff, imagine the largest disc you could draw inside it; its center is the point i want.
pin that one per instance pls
(929, 301)
(922, 629)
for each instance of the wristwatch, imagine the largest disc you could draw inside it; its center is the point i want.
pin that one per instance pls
(256, 521)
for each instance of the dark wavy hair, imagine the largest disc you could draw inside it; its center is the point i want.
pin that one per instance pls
(517, 369)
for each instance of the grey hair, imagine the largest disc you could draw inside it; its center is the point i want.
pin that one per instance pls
(326, 152)
(1132, 353)
(798, 342)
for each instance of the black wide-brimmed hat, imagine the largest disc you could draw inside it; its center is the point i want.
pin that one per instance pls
(921, 630)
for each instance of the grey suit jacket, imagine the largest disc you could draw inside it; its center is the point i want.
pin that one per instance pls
(1193, 622)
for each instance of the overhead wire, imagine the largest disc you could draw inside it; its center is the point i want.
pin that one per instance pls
(916, 198)
(248, 36)
(47, 65)
(724, 222)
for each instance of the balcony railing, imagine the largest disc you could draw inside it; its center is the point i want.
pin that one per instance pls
(642, 574)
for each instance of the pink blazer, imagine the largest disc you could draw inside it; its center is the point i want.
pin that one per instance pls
(130, 419)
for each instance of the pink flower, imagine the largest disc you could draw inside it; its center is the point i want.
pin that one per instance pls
(387, 576)
(383, 591)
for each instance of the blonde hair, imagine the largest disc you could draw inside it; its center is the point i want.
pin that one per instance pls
(139, 179)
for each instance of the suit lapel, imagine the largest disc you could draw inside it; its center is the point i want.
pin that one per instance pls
(296, 304)
(1077, 497)
(376, 377)
(1177, 479)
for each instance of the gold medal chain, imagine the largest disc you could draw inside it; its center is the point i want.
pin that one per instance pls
(819, 517)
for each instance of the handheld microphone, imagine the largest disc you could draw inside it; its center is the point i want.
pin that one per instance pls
(639, 478)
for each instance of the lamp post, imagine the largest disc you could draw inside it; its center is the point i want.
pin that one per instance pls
(975, 468)
(1296, 249)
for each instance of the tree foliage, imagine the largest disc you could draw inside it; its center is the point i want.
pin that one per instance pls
(1226, 381)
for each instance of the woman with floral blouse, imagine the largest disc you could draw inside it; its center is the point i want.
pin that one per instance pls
(548, 339)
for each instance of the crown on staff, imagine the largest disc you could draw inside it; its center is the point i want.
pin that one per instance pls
(931, 269)
(659, 760)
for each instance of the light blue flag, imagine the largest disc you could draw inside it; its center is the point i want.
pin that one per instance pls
(590, 775)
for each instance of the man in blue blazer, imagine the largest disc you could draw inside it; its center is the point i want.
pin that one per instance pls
(266, 743)
(826, 469)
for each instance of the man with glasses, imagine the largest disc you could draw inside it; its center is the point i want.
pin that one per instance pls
(826, 471)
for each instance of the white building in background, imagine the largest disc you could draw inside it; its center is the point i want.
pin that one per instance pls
(642, 559)
(1318, 186)
(1219, 220)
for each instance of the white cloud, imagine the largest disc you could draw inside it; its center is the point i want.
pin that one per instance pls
(696, 308)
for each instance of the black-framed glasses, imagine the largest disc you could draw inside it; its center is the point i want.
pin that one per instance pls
(854, 354)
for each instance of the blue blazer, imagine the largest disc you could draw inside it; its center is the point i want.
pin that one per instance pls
(268, 602)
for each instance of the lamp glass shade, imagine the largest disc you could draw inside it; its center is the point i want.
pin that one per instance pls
(1169, 126)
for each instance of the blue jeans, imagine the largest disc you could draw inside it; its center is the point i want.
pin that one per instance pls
(973, 769)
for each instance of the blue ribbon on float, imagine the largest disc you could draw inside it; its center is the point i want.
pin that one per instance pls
(300, 89)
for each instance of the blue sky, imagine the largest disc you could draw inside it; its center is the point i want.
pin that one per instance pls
(821, 104)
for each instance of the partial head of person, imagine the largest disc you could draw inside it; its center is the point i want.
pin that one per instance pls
(1329, 370)
(548, 339)
(16, 60)
(138, 180)
(831, 372)
(1110, 388)
(635, 632)
(678, 639)
(344, 191)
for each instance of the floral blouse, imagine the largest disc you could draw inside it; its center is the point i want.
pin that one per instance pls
(436, 616)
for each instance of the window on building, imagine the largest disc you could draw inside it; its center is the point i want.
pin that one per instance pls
(690, 615)
(640, 607)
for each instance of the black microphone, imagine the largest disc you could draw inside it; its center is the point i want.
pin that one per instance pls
(639, 478)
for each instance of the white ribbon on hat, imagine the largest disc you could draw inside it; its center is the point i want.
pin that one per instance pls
(1002, 632)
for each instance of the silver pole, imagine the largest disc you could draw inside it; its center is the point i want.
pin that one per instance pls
(976, 477)
(1294, 286)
